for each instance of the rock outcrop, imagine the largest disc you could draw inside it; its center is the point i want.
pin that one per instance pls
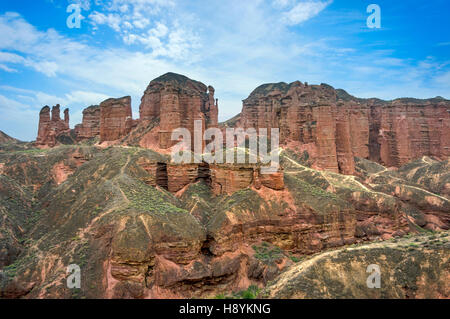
(178, 101)
(406, 129)
(90, 127)
(115, 119)
(334, 127)
(228, 179)
(51, 126)
(223, 179)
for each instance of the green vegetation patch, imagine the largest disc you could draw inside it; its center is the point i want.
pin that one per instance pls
(251, 292)
(147, 198)
(267, 253)
(315, 197)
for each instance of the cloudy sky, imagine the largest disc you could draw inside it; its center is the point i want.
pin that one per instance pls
(234, 45)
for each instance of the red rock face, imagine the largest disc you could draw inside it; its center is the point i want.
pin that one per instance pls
(178, 101)
(335, 127)
(306, 115)
(403, 130)
(51, 126)
(180, 176)
(90, 126)
(331, 125)
(115, 119)
(227, 179)
(222, 178)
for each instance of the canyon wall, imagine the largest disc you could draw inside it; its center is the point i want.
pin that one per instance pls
(312, 118)
(221, 178)
(407, 129)
(334, 127)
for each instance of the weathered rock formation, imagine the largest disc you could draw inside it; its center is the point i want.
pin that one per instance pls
(406, 129)
(51, 126)
(221, 178)
(90, 127)
(145, 227)
(330, 126)
(228, 179)
(178, 101)
(334, 127)
(115, 119)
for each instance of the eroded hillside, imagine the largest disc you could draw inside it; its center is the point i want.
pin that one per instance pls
(107, 211)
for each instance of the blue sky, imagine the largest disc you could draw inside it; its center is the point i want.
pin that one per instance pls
(233, 45)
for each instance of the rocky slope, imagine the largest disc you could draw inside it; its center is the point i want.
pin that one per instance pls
(5, 138)
(415, 267)
(104, 210)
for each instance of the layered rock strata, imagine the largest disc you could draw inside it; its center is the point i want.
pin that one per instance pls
(334, 127)
(90, 127)
(221, 178)
(406, 129)
(178, 101)
(51, 126)
(329, 126)
(115, 119)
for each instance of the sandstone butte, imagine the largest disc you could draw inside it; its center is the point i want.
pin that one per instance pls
(328, 126)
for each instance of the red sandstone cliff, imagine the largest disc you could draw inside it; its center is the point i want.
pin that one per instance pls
(90, 126)
(51, 126)
(178, 101)
(334, 127)
(406, 129)
(115, 119)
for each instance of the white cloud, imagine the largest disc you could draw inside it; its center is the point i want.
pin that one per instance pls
(11, 57)
(304, 10)
(84, 4)
(112, 20)
(141, 23)
(7, 69)
(444, 78)
(282, 3)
